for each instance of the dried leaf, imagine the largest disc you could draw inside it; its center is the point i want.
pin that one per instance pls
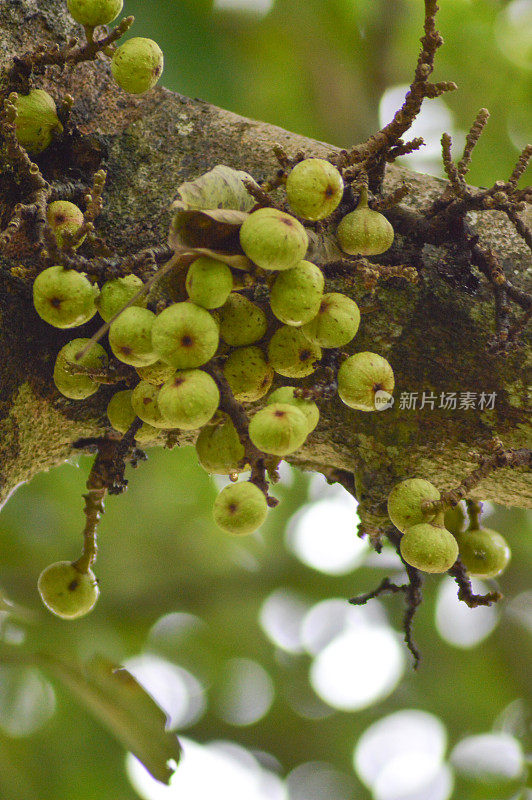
(221, 187)
(120, 703)
(213, 233)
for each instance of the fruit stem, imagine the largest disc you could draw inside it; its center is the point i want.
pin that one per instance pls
(474, 510)
(363, 197)
(94, 508)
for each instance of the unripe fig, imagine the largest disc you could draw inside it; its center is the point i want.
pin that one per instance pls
(64, 297)
(429, 548)
(145, 405)
(296, 293)
(64, 217)
(67, 592)
(78, 387)
(157, 373)
(240, 508)
(248, 374)
(116, 293)
(364, 232)
(37, 120)
(241, 321)
(314, 188)
(189, 399)
(218, 446)
(120, 411)
(185, 336)
(483, 552)
(455, 519)
(336, 322)
(405, 503)
(94, 12)
(130, 337)
(291, 354)
(137, 65)
(273, 240)
(209, 282)
(285, 394)
(360, 377)
(279, 428)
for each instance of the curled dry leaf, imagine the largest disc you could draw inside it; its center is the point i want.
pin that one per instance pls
(221, 187)
(213, 233)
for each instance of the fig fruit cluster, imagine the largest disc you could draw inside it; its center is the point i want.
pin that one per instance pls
(429, 545)
(282, 335)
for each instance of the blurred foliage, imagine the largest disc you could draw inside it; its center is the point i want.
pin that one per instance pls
(318, 67)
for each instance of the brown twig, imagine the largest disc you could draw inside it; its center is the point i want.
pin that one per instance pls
(471, 140)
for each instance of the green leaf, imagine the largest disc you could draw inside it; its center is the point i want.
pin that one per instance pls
(119, 702)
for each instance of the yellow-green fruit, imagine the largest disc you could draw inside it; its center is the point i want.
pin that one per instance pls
(240, 508)
(248, 374)
(121, 416)
(291, 354)
(120, 411)
(156, 373)
(137, 65)
(336, 322)
(364, 232)
(455, 519)
(314, 188)
(64, 297)
(64, 217)
(241, 321)
(279, 428)
(189, 399)
(145, 405)
(67, 592)
(296, 293)
(94, 12)
(115, 294)
(429, 548)
(37, 120)
(360, 377)
(405, 499)
(483, 552)
(130, 337)
(218, 446)
(285, 394)
(209, 282)
(78, 387)
(273, 239)
(185, 336)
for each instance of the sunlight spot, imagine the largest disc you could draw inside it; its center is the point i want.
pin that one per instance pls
(27, 700)
(318, 780)
(323, 535)
(175, 627)
(400, 739)
(280, 618)
(434, 118)
(246, 692)
(458, 624)
(180, 695)
(513, 31)
(328, 619)
(489, 756)
(359, 667)
(251, 6)
(410, 777)
(211, 770)
(521, 608)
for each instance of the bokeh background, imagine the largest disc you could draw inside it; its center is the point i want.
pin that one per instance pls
(278, 688)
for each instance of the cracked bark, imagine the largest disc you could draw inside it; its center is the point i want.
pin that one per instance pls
(434, 334)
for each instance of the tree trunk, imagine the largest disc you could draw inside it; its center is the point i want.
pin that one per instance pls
(435, 333)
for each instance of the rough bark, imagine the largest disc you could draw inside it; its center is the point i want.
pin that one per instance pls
(435, 334)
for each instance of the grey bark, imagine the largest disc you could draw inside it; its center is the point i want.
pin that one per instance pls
(434, 334)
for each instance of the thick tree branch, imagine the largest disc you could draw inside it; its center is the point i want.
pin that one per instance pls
(436, 333)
